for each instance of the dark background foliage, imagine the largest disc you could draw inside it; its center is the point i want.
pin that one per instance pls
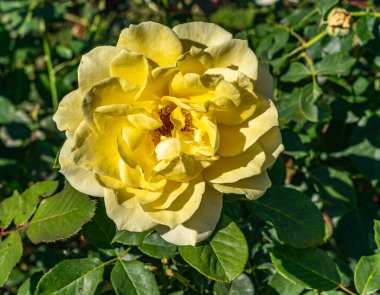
(327, 91)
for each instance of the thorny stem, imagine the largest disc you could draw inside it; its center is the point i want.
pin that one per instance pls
(346, 290)
(49, 65)
(18, 228)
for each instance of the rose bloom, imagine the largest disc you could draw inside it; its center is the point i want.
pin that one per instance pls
(165, 123)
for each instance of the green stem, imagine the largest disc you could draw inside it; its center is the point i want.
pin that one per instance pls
(49, 65)
(360, 13)
(343, 288)
(307, 44)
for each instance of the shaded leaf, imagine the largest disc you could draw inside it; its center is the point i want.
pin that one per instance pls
(155, 246)
(310, 268)
(296, 72)
(101, 229)
(298, 222)
(130, 238)
(241, 285)
(338, 63)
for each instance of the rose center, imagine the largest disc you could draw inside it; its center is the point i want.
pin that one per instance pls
(167, 125)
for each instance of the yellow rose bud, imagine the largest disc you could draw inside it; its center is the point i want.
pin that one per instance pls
(338, 22)
(164, 123)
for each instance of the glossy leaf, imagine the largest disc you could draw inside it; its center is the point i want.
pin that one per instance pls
(377, 232)
(284, 286)
(130, 238)
(241, 285)
(221, 257)
(30, 199)
(10, 254)
(60, 216)
(310, 268)
(367, 275)
(75, 276)
(155, 246)
(132, 278)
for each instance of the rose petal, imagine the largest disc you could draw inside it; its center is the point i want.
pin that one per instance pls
(69, 113)
(132, 219)
(201, 34)
(183, 206)
(201, 225)
(253, 187)
(155, 41)
(81, 179)
(95, 66)
(235, 54)
(247, 133)
(264, 82)
(96, 151)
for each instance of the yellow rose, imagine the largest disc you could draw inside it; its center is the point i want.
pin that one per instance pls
(166, 122)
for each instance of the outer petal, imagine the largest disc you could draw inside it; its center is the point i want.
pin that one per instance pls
(232, 169)
(246, 134)
(132, 219)
(182, 208)
(130, 66)
(253, 187)
(96, 152)
(264, 82)
(253, 161)
(200, 34)
(80, 178)
(201, 225)
(95, 66)
(235, 54)
(69, 113)
(157, 42)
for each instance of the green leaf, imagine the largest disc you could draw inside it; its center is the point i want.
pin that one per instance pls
(30, 198)
(8, 209)
(298, 222)
(75, 276)
(222, 257)
(241, 285)
(310, 268)
(155, 246)
(130, 238)
(10, 255)
(338, 63)
(364, 28)
(29, 286)
(296, 72)
(352, 234)
(336, 189)
(326, 5)
(284, 286)
(376, 229)
(133, 278)
(312, 109)
(367, 275)
(7, 111)
(101, 229)
(365, 146)
(60, 216)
